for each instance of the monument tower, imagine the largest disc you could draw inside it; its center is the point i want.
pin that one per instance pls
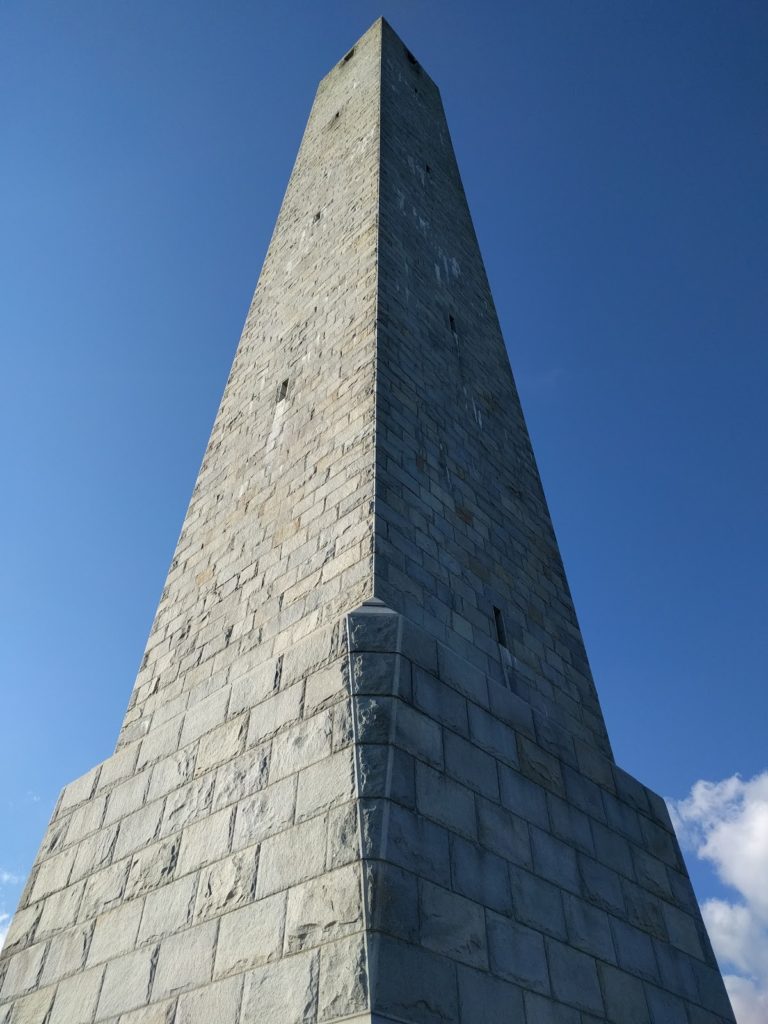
(364, 775)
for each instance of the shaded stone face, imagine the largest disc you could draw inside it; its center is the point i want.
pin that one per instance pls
(363, 774)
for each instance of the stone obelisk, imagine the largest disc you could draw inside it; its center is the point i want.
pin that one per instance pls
(364, 774)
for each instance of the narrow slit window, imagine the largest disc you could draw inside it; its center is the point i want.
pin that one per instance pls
(282, 391)
(501, 633)
(452, 322)
(317, 217)
(411, 58)
(348, 56)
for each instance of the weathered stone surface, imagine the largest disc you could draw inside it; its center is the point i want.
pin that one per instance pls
(325, 908)
(264, 814)
(227, 884)
(343, 978)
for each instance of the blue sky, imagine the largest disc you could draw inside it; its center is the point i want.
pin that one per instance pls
(615, 162)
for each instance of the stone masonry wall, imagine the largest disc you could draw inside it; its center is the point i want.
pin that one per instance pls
(209, 870)
(461, 520)
(277, 539)
(510, 877)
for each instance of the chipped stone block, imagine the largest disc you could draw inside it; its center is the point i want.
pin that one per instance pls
(343, 987)
(323, 909)
(227, 884)
(268, 812)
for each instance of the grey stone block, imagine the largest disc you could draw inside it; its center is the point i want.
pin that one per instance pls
(387, 720)
(624, 997)
(523, 797)
(644, 910)
(126, 983)
(115, 932)
(390, 832)
(392, 900)
(31, 1009)
(512, 709)
(166, 910)
(537, 903)
(492, 735)
(76, 998)
(612, 850)
(267, 812)
(380, 675)
(517, 953)
(540, 767)
(326, 784)
(634, 951)
(452, 925)
(480, 875)
(554, 860)
(23, 971)
(570, 824)
(386, 771)
(147, 870)
(445, 801)
(468, 764)
(664, 1007)
(283, 991)
(440, 702)
(291, 856)
(412, 984)
(601, 886)
(503, 833)
(185, 960)
(540, 1010)
(588, 928)
(324, 909)
(227, 884)
(462, 676)
(343, 986)
(218, 1003)
(574, 977)
(491, 1000)
(250, 936)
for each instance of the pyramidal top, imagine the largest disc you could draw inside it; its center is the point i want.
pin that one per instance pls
(363, 775)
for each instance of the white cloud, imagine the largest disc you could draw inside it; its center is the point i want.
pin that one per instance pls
(9, 878)
(726, 823)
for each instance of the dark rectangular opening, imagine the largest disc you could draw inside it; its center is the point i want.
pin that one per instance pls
(501, 633)
(348, 56)
(282, 391)
(452, 322)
